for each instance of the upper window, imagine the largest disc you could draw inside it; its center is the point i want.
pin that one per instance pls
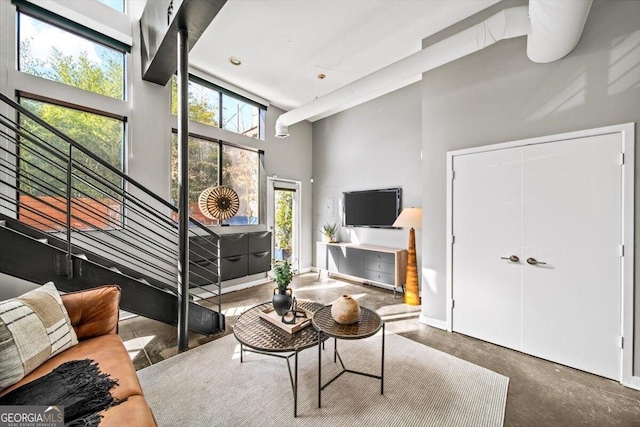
(53, 53)
(115, 4)
(204, 103)
(207, 103)
(240, 117)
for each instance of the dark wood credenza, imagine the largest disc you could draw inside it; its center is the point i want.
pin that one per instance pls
(241, 254)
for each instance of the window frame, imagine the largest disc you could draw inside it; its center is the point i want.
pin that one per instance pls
(66, 24)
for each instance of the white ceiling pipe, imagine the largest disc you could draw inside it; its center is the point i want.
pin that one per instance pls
(556, 28)
(508, 23)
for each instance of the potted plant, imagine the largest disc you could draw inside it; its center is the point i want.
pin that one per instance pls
(329, 232)
(282, 274)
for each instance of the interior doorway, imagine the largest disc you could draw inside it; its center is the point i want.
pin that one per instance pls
(283, 217)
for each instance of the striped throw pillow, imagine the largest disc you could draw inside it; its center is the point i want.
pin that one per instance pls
(33, 328)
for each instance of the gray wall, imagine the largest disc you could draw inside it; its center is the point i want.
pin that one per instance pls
(498, 95)
(290, 158)
(374, 145)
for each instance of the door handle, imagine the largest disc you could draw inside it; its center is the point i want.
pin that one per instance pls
(533, 261)
(512, 258)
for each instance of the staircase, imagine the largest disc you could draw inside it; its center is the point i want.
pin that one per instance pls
(68, 216)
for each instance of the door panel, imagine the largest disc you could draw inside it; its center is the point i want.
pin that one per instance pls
(487, 224)
(259, 262)
(334, 257)
(572, 221)
(284, 200)
(354, 263)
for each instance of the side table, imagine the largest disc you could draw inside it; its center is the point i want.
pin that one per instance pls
(256, 335)
(368, 325)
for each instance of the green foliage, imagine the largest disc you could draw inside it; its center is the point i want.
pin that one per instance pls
(104, 136)
(204, 103)
(240, 171)
(106, 78)
(203, 167)
(282, 273)
(284, 219)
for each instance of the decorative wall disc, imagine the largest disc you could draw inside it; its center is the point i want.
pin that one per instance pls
(219, 202)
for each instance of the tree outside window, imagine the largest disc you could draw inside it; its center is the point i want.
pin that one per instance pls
(92, 67)
(55, 54)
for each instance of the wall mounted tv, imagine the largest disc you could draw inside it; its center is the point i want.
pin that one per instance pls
(371, 208)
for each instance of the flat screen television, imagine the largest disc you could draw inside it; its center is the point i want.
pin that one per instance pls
(371, 208)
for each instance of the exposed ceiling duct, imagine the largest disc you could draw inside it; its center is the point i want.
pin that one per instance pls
(554, 29)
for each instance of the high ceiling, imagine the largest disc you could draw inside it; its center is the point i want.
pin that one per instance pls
(285, 44)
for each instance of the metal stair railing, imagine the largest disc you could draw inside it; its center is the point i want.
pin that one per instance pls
(109, 214)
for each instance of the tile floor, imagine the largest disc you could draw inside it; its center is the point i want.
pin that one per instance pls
(540, 393)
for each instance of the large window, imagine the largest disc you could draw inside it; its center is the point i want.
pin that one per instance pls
(95, 203)
(212, 162)
(50, 52)
(207, 102)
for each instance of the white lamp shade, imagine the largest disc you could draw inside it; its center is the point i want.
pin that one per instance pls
(409, 218)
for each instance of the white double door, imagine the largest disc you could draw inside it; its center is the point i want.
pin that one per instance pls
(556, 203)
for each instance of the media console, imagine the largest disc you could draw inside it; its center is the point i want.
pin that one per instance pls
(376, 265)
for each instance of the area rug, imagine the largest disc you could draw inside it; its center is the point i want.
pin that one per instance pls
(423, 387)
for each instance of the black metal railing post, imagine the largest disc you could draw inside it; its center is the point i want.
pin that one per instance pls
(183, 189)
(145, 241)
(68, 259)
(219, 274)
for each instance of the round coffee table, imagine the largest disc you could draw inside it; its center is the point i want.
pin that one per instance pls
(368, 325)
(263, 337)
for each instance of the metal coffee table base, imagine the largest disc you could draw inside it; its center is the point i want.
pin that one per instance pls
(336, 357)
(293, 376)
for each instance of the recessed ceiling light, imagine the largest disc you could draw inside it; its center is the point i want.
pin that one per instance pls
(322, 76)
(234, 60)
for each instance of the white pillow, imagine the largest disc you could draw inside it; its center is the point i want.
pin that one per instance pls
(33, 328)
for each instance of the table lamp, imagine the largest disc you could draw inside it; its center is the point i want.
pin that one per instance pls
(412, 218)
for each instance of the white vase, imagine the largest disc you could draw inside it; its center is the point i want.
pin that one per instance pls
(345, 310)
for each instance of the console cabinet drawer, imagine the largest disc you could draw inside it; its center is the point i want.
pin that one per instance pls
(259, 242)
(259, 262)
(203, 247)
(382, 267)
(234, 244)
(203, 273)
(376, 276)
(380, 256)
(234, 267)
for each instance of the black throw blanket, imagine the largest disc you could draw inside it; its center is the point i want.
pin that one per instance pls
(77, 385)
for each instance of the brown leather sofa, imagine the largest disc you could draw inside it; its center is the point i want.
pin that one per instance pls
(94, 316)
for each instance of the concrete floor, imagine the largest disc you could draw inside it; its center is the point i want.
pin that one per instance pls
(540, 393)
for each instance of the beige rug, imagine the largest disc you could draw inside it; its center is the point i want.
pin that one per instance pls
(207, 386)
